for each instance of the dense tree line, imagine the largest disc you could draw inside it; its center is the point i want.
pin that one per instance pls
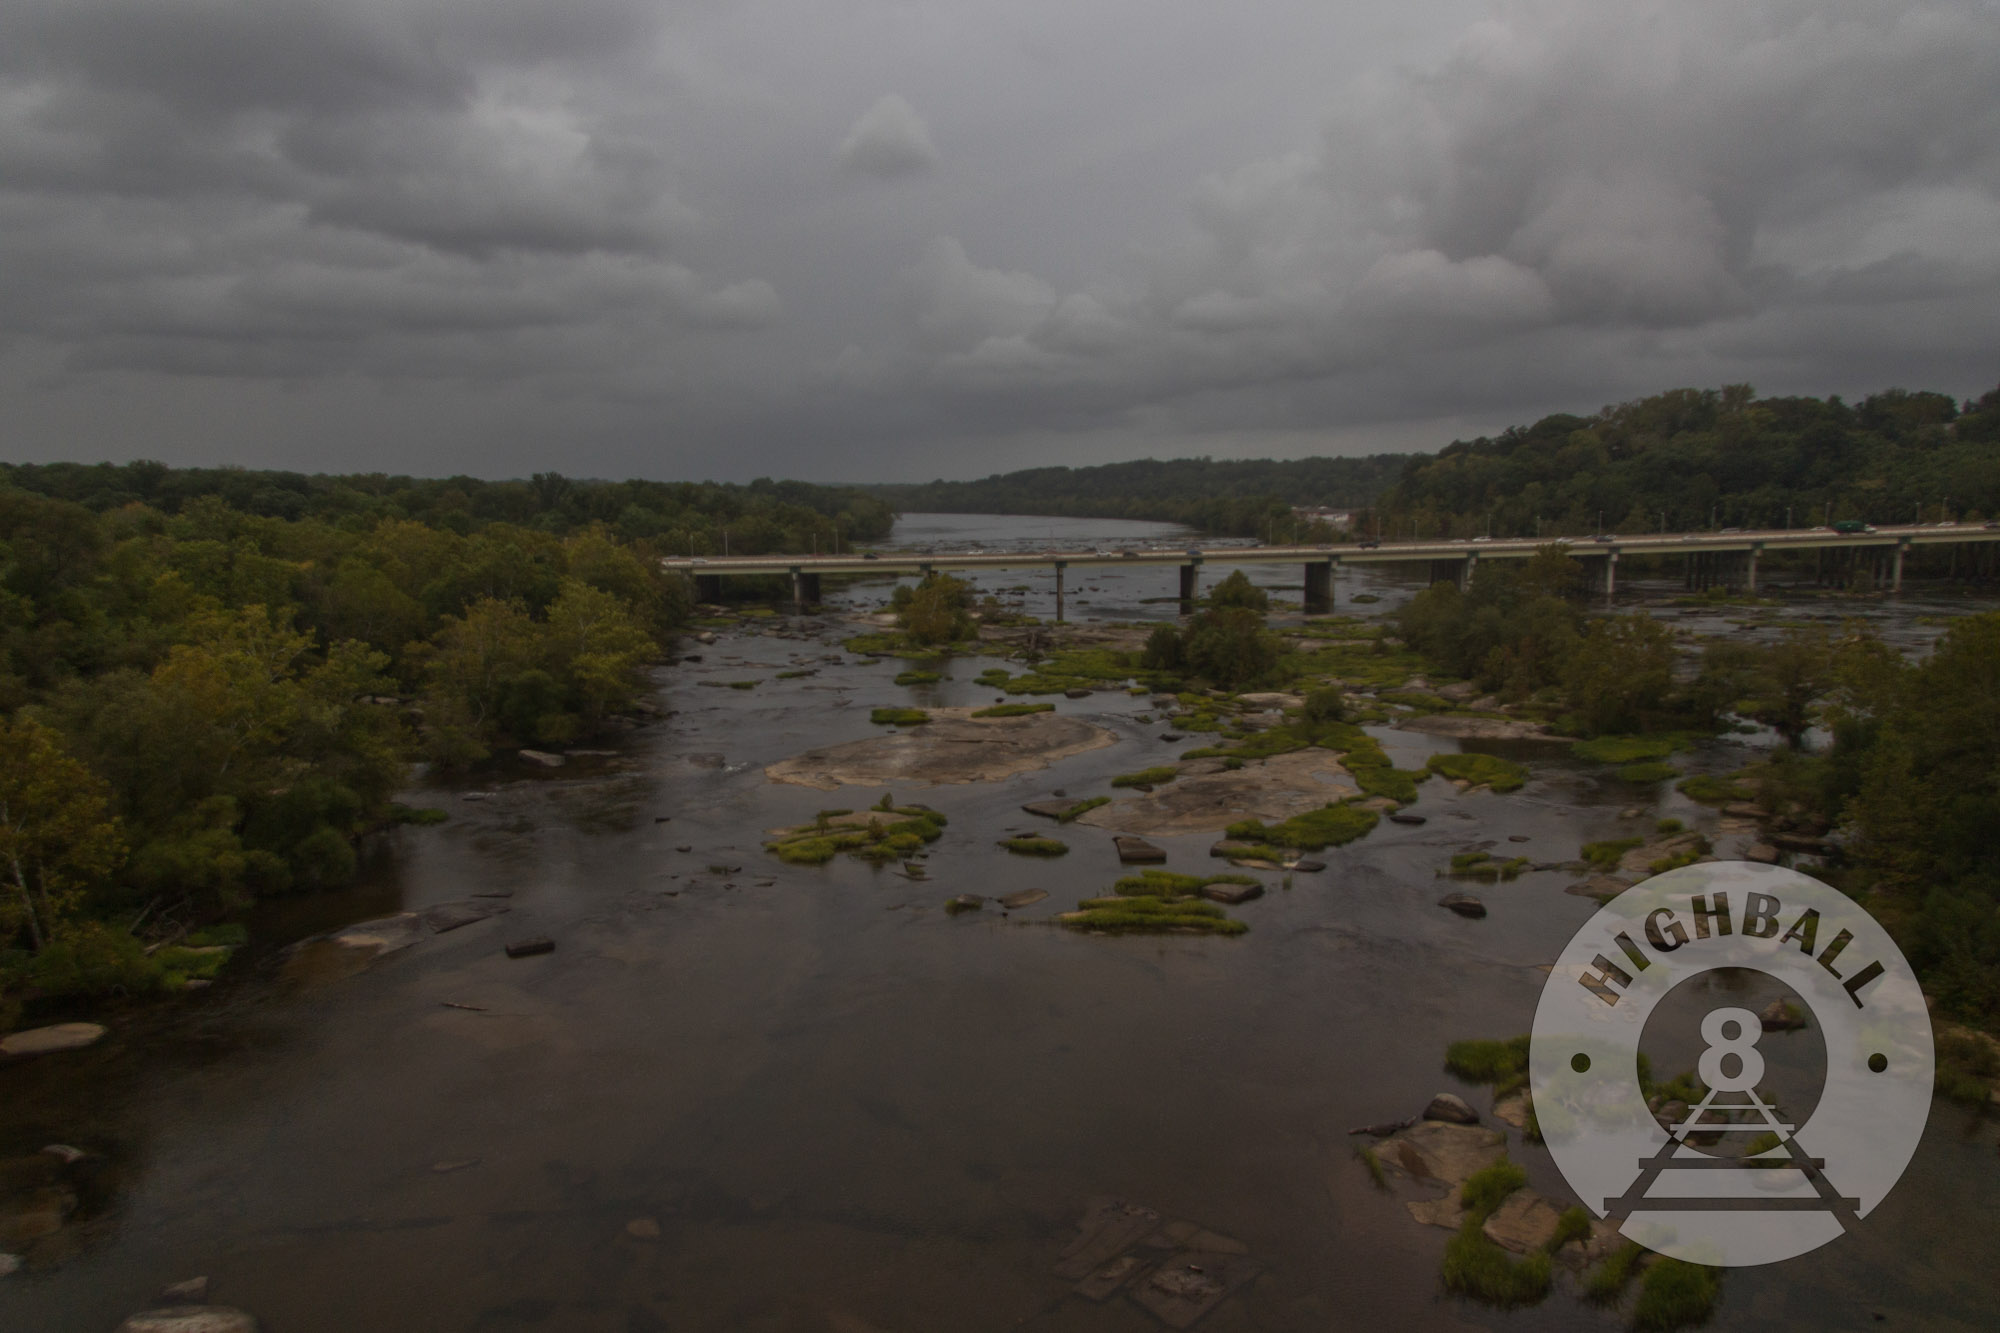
(1689, 459)
(685, 517)
(204, 701)
(1238, 497)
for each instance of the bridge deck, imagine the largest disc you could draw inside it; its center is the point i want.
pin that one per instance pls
(1352, 553)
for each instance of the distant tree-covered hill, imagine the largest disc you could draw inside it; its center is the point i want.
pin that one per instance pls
(1237, 496)
(1694, 458)
(762, 516)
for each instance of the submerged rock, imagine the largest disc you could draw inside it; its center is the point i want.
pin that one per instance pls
(964, 902)
(1189, 1285)
(194, 1291)
(1451, 1108)
(1232, 893)
(1024, 898)
(1464, 904)
(1763, 853)
(1441, 1151)
(1402, 817)
(1137, 851)
(190, 1319)
(544, 758)
(1307, 866)
(49, 1040)
(450, 916)
(529, 948)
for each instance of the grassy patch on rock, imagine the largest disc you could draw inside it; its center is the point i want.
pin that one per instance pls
(1675, 1294)
(1628, 749)
(1333, 826)
(1607, 854)
(1082, 807)
(1487, 868)
(898, 717)
(1647, 772)
(1501, 1063)
(1145, 915)
(918, 677)
(1158, 902)
(1013, 710)
(1480, 770)
(1032, 846)
(1146, 777)
(886, 833)
(1710, 789)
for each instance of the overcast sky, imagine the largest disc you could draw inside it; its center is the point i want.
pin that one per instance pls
(868, 241)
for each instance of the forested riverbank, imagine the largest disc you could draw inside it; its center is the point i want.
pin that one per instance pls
(213, 681)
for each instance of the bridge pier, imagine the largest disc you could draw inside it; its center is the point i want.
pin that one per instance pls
(1607, 577)
(1061, 565)
(1319, 587)
(1466, 568)
(708, 588)
(1190, 578)
(805, 590)
(1750, 569)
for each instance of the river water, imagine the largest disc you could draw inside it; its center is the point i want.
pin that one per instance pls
(743, 1095)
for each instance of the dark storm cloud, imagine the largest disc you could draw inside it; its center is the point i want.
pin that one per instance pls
(722, 239)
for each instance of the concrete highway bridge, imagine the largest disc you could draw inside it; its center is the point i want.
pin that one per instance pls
(1712, 558)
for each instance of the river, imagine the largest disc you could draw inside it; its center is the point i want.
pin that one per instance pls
(745, 1095)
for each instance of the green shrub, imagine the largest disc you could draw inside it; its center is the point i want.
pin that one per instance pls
(1013, 710)
(1687, 856)
(1675, 1294)
(899, 717)
(1035, 846)
(1373, 1163)
(918, 678)
(1480, 769)
(1147, 777)
(1669, 826)
(92, 958)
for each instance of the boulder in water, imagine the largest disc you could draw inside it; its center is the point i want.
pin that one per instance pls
(1451, 1108)
(49, 1040)
(1464, 904)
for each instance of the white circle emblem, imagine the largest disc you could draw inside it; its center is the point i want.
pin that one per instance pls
(1825, 1174)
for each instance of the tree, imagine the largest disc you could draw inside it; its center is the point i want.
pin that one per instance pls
(57, 837)
(1230, 647)
(1621, 673)
(938, 610)
(1237, 590)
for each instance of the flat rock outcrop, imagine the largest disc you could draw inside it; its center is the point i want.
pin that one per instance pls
(1272, 790)
(954, 747)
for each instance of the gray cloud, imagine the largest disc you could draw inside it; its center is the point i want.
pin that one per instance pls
(1273, 229)
(889, 139)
